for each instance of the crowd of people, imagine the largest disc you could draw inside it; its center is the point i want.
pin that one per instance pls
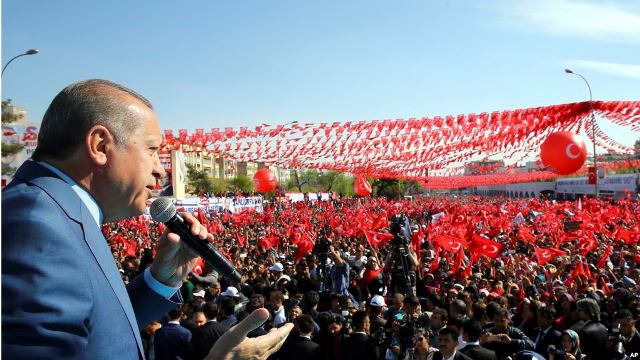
(432, 278)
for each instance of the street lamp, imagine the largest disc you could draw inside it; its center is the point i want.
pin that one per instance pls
(278, 165)
(593, 128)
(28, 52)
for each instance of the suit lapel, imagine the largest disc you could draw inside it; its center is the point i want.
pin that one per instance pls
(103, 256)
(75, 209)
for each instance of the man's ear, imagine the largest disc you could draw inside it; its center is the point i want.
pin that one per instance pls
(98, 142)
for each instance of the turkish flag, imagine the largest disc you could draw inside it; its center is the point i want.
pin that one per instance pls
(305, 245)
(377, 239)
(484, 246)
(605, 256)
(546, 255)
(242, 239)
(450, 243)
(132, 248)
(605, 288)
(457, 262)
(586, 246)
(202, 218)
(526, 234)
(269, 242)
(380, 222)
(416, 238)
(336, 223)
(198, 267)
(435, 263)
(579, 270)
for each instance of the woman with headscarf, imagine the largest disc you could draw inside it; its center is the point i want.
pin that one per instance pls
(569, 347)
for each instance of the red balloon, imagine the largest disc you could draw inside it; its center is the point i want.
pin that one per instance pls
(264, 180)
(563, 152)
(362, 187)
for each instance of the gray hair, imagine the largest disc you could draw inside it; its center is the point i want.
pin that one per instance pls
(80, 106)
(591, 307)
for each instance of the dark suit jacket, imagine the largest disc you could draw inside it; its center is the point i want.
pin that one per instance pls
(593, 340)
(478, 352)
(358, 347)
(299, 347)
(172, 341)
(62, 295)
(457, 356)
(551, 337)
(633, 346)
(204, 337)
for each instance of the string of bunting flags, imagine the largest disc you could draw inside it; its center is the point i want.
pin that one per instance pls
(417, 148)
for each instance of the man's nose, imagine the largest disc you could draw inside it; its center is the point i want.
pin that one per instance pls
(158, 169)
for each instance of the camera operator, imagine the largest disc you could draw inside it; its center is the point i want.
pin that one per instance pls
(505, 340)
(401, 260)
(320, 253)
(629, 336)
(421, 349)
(403, 327)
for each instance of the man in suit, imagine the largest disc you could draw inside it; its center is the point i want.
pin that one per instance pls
(358, 345)
(448, 339)
(299, 344)
(593, 335)
(206, 336)
(62, 295)
(471, 331)
(173, 341)
(545, 335)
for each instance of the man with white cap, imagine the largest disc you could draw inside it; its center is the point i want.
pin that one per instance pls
(376, 313)
(275, 273)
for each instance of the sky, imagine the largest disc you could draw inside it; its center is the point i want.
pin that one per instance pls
(207, 64)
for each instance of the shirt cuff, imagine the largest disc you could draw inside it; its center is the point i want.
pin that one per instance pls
(163, 290)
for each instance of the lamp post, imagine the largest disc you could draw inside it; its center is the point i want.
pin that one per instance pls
(28, 52)
(278, 165)
(593, 128)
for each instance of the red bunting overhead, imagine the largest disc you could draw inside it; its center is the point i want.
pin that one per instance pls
(411, 148)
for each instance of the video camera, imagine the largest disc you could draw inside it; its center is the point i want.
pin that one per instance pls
(321, 248)
(617, 342)
(398, 227)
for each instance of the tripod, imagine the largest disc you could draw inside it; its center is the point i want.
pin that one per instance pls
(402, 277)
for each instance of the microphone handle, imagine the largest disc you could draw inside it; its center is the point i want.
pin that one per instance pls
(206, 250)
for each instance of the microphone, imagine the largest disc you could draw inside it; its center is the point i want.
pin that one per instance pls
(163, 210)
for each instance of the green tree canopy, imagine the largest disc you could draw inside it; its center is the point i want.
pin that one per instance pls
(241, 183)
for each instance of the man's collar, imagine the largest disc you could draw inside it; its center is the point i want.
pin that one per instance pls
(87, 199)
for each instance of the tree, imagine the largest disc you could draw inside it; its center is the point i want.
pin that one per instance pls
(199, 181)
(637, 146)
(332, 181)
(305, 180)
(394, 188)
(9, 117)
(241, 183)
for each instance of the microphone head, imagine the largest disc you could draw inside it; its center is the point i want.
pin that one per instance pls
(162, 210)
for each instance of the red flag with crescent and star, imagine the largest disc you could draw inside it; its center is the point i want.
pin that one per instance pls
(377, 239)
(546, 255)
